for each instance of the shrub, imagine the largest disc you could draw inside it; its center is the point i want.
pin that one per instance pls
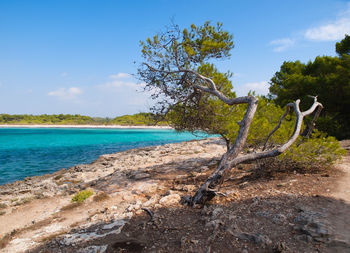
(318, 152)
(101, 196)
(81, 196)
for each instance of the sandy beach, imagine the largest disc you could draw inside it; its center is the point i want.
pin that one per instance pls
(85, 126)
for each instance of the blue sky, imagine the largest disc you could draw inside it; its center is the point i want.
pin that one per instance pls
(78, 56)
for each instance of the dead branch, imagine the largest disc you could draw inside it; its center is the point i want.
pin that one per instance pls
(278, 126)
(149, 212)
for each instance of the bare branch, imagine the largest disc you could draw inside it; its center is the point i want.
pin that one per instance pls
(278, 126)
(212, 89)
(312, 124)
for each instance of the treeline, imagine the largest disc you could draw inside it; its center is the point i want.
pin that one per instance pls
(328, 78)
(139, 119)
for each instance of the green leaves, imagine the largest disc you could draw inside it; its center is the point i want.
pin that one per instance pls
(204, 42)
(343, 47)
(316, 152)
(328, 78)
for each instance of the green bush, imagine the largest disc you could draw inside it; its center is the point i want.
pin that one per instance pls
(81, 196)
(316, 153)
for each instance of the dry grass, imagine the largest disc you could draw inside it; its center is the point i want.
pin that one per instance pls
(9, 236)
(53, 236)
(6, 239)
(101, 196)
(58, 177)
(23, 201)
(71, 206)
(75, 224)
(69, 182)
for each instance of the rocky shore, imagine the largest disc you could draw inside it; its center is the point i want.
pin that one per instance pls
(135, 207)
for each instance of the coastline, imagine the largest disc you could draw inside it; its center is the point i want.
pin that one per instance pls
(85, 126)
(136, 201)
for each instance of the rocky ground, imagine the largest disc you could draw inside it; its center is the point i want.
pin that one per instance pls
(135, 206)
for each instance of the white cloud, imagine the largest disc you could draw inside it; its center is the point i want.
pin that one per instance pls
(332, 30)
(63, 93)
(329, 32)
(120, 76)
(260, 88)
(121, 80)
(64, 74)
(120, 83)
(282, 44)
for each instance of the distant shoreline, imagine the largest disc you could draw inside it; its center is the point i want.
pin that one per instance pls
(85, 126)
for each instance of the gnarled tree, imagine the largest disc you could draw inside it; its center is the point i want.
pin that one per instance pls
(178, 68)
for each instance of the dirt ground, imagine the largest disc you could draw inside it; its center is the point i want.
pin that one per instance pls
(256, 211)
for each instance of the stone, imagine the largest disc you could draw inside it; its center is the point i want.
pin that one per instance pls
(259, 239)
(280, 247)
(152, 201)
(279, 218)
(171, 199)
(310, 224)
(140, 176)
(216, 212)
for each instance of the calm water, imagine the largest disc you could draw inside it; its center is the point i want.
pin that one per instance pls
(29, 152)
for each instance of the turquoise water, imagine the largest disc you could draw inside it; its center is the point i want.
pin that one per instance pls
(28, 152)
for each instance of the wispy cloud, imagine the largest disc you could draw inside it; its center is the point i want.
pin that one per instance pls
(64, 74)
(120, 76)
(282, 44)
(63, 93)
(120, 80)
(332, 31)
(260, 88)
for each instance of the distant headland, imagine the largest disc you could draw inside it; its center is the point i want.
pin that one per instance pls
(139, 120)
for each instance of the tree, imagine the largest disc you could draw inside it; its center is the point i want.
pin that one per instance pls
(328, 78)
(178, 68)
(343, 47)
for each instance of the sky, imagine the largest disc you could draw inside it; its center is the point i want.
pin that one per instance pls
(79, 57)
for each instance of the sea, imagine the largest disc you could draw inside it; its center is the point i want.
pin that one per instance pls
(26, 152)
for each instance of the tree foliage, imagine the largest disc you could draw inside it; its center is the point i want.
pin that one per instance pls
(318, 152)
(174, 51)
(138, 119)
(326, 77)
(343, 47)
(45, 119)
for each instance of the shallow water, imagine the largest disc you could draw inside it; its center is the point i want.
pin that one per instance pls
(35, 151)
